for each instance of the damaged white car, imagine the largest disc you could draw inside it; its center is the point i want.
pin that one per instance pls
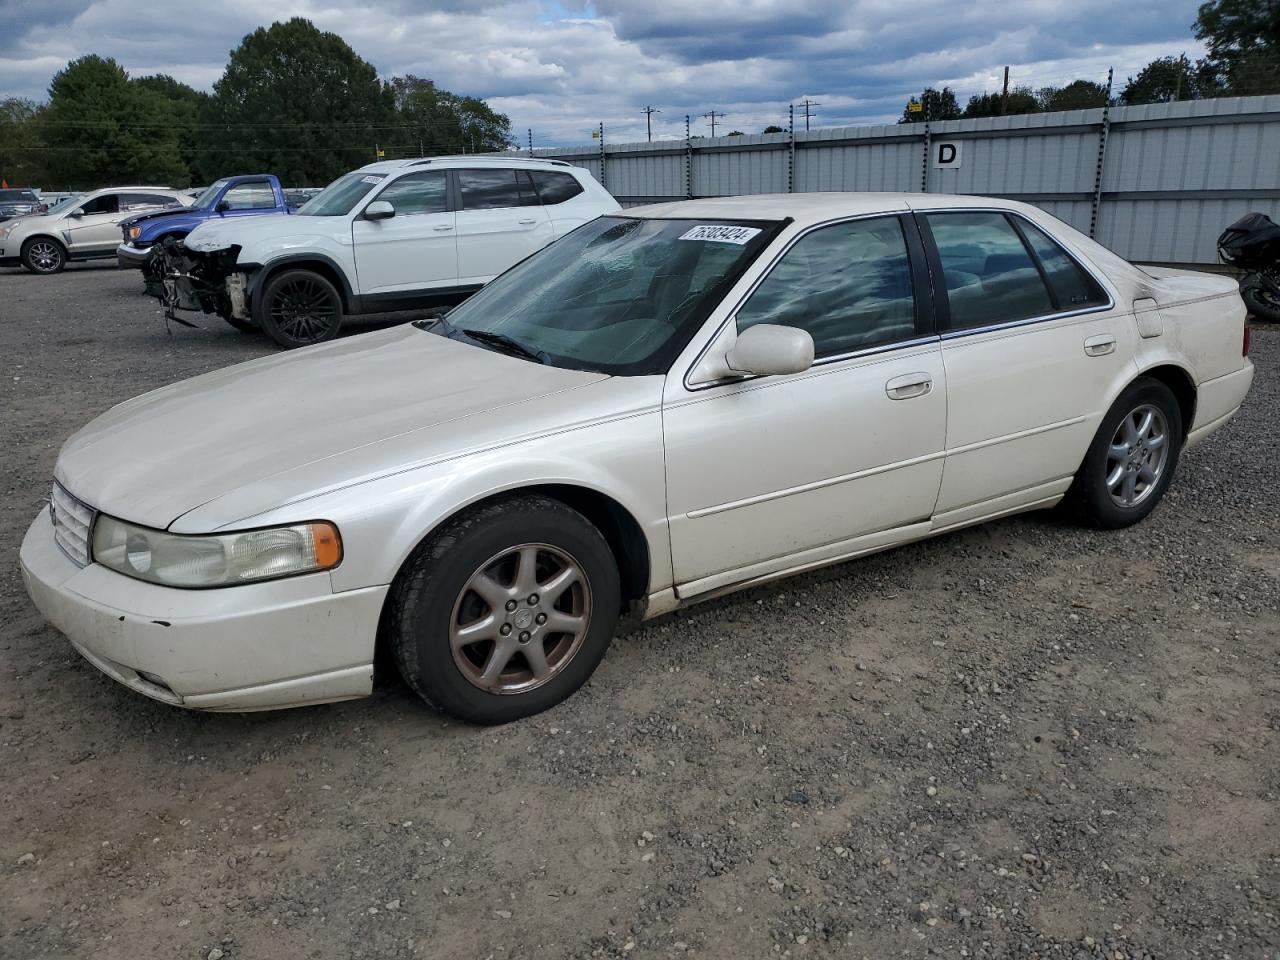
(665, 405)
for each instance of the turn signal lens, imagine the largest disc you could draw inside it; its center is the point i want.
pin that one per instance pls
(1248, 337)
(328, 546)
(134, 232)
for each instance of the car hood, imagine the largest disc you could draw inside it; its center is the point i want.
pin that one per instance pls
(28, 221)
(218, 233)
(301, 422)
(163, 212)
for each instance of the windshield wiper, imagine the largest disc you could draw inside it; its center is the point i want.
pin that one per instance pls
(506, 343)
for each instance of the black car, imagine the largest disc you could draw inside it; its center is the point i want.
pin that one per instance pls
(19, 203)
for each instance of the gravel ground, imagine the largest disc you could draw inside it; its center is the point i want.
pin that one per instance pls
(1022, 740)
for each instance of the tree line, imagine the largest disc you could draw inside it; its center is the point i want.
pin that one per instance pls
(293, 101)
(1242, 40)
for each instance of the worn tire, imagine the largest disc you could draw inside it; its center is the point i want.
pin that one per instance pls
(35, 264)
(297, 308)
(1260, 301)
(1089, 496)
(421, 605)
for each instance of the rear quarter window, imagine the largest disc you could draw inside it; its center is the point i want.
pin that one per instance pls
(554, 187)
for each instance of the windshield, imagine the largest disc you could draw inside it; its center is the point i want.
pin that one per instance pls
(67, 204)
(26, 196)
(618, 295)
(337, 199)
(205, 200)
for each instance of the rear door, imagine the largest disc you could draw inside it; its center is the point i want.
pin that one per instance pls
(500, 221)
(414, 250)
(1032, 347)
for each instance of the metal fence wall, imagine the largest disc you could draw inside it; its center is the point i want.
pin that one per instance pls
(1155, 183)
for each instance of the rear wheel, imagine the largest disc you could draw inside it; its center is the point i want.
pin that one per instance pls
(506, 611)
(1262, 302)
(1132, 458)
(44, 255)
(298, 307)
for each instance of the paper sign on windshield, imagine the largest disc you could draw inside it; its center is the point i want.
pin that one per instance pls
(721, 233)
(371, 179)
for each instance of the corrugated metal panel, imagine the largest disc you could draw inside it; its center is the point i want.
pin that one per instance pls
(1175, 174)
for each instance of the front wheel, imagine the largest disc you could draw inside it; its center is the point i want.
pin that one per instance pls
(506, 611)
(298, 307)
(1132, 458)
(43, 255)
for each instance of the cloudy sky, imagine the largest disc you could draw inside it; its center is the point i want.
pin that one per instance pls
(561, 66)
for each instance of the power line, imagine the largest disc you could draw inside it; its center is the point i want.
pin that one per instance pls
(807, 103)
(712, 115)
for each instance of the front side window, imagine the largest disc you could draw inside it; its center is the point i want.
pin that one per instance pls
(492, 189)
(418, 193)
(107, 203)
(848, 285)
(620, 295)
(250, 195)
(990, 276)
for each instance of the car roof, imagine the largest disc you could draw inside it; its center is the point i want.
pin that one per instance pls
(805, 208)
(467, 160)
(119, 189)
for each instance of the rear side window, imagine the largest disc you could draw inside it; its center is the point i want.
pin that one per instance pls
(848, 285)
(555, 187)
(418, 193)
(988, 271)
(1073, 288)
(493, 189)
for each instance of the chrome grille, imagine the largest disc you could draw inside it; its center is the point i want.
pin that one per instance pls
(72, 523)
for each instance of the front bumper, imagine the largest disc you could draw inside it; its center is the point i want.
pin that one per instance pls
(129, 257)
(9, 261)
(262, 646)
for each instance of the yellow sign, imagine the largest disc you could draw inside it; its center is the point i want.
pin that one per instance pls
(915, 106)
(381, 154)
(595, 134)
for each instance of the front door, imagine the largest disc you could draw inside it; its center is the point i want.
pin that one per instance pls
(96, 228)
(500, 222)
(766, 473)
(1032, 350)
(417, 249)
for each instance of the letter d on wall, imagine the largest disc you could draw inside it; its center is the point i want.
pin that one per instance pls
(946, 154)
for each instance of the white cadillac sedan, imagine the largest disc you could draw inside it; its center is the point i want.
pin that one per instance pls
(663, 406)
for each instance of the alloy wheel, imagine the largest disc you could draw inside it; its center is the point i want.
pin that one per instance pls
(1137, 456)
(44, 255)
(520, 619)
(303, 310)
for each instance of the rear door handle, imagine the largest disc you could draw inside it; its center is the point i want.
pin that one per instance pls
(443, 226)
(909, 385)
(1100, 345)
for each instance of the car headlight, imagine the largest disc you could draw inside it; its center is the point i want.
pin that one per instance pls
(215, 560)
(134, 232)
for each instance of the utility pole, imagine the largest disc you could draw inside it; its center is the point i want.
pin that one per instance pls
(713, 115)
(648, 121)
(1004, 94)
(807, 103)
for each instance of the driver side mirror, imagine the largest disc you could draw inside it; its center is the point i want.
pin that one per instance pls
(379, 210)
(767, 350)
(77, 213)
(222, 207)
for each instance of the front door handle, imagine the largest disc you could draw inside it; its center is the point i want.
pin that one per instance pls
(1100, 345)
(909, 385)
(528, 222)
(443, 226)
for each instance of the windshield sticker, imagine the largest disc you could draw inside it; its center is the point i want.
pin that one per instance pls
(718, 233)
(371, 179)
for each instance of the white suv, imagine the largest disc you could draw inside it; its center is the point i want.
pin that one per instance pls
(395, 235)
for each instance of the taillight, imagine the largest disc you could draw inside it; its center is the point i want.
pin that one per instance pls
(1244, 352)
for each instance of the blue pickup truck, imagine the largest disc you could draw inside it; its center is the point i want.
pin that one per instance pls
(247, 196)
